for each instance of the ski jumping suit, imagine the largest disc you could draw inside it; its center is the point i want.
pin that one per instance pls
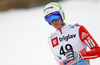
(73, 37)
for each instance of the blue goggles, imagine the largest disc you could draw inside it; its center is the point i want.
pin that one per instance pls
(53, 16)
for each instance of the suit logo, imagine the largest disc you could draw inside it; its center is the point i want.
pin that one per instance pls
(84, 35)
(55, 42)
(66, 38)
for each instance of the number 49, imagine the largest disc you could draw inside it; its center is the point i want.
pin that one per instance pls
(67, 47)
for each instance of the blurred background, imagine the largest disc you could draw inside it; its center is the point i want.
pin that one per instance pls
(13, 4)
(24, 32)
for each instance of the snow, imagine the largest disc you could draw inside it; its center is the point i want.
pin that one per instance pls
(24, 32)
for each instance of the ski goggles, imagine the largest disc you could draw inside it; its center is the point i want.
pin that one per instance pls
(53, 16)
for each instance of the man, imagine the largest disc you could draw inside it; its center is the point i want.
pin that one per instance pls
(69, 42)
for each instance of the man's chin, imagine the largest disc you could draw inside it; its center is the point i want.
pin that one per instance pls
(57, 28)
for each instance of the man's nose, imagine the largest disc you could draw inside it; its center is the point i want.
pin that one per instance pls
(54, 21)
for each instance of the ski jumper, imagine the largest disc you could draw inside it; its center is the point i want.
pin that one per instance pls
(73, 37)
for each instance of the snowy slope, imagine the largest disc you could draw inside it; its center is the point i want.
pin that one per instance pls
(24, 32)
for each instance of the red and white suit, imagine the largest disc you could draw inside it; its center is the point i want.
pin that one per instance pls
(76, 38)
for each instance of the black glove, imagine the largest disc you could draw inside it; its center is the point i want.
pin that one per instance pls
(73, 55)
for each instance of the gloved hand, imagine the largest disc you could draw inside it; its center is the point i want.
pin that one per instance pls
(77, 55)
(72, 55)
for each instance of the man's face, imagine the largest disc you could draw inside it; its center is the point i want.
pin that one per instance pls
(57, 23)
